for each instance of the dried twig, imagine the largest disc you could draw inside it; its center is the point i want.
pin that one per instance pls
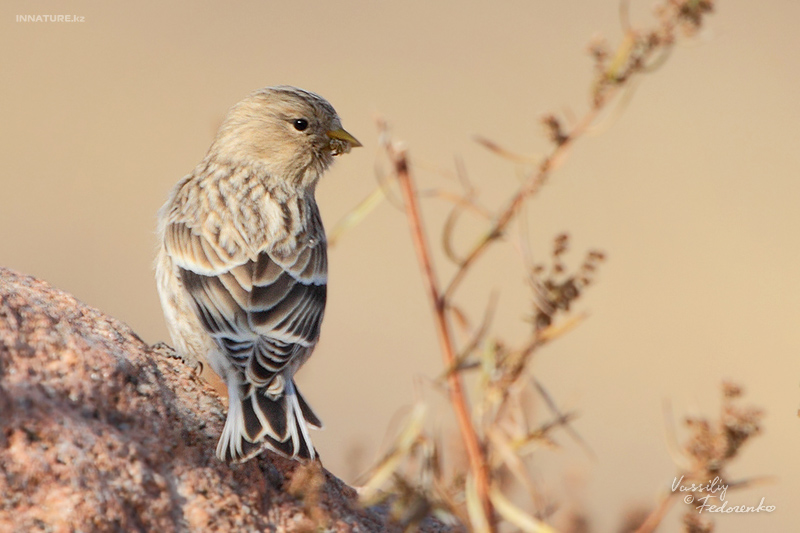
(639, 53)
(712, 445)
(479, 467)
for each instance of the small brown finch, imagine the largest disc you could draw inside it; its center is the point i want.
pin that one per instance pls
(242, 266)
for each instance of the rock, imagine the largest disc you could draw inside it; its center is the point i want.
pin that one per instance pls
(101, 432)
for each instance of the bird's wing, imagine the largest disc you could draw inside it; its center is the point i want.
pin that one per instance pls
(260, 311)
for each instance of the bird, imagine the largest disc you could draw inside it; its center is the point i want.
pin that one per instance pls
(242, 264)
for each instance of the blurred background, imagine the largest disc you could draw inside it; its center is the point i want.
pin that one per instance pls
(692, 192)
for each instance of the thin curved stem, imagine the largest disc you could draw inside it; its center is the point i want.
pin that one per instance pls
(475, 450)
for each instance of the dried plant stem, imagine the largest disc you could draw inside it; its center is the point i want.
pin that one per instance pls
(657, 515)
(475, 451)
(529, 188)
(633, 57)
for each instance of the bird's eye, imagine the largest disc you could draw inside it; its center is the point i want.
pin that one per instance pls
(300, 124)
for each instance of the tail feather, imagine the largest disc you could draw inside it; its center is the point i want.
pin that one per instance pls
(309, 415)
(257, 421)
(272, 417)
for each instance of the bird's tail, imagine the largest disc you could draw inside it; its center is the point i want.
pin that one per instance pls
(258, 420)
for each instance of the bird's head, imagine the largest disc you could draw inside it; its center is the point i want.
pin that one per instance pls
(291, 133)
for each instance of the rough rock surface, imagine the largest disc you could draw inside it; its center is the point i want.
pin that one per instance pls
(100, 432)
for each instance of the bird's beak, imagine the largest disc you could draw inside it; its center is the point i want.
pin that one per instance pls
(342, 135)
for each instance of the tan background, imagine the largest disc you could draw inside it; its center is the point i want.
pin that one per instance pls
(693, 194)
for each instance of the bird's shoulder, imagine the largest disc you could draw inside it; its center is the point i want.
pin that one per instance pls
(236, 213)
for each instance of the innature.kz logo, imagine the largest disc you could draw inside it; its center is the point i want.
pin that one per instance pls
(50, 18)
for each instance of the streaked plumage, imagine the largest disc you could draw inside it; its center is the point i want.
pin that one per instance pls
(242, 268)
